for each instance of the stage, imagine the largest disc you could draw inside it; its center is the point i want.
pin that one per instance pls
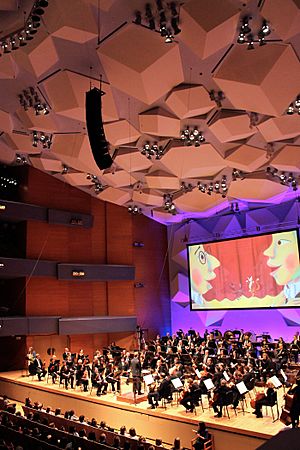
(243, 431)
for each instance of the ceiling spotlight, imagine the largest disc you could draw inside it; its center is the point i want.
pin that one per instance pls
(134, 210)
(174, 25)
(192, 136)
(241, 38)
(297, 102)
(138, 18)
(163, 30)
(250, 42)
(65, 169)
(98, 188)
(245, 29)
(290, 109)
(43, 3)
(169, 37)
(261, 39)
(5, 47)
(265, 28)
(13, 43)
(21, 38)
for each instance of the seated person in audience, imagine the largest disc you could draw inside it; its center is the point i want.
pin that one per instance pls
(176, 444)
(93, 422)
(92, 436)
(158, 442)
(266, 400)
(82, 434)
(102, 438)
(132, 433)
(202, 436)
(117, 442)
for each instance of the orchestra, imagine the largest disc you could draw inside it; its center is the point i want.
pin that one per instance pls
(182, 363)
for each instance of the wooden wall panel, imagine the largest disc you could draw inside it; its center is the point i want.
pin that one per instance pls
(151, 262)
(98, 232)
(125, 340)
(45, 190)
(47, 297)
(42, 343)
(121, 298)
(119, 235)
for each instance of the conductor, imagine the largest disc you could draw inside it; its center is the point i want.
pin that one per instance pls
(136, 372)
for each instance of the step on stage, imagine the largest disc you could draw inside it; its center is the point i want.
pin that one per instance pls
(243, 431)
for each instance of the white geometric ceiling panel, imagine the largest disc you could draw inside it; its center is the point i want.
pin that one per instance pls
(145, 72)
(256, 189)
(193, 162)
(190, 101)
(72, 103)
(288, 159)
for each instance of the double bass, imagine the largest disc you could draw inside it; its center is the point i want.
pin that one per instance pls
(285, 416)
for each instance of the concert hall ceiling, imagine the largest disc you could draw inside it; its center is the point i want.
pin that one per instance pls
(239, 102)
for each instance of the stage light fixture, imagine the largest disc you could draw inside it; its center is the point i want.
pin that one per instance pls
(265, 28)
(138, 18)
(192, 136)
(250, 42)
(245, 28)
(134, 210)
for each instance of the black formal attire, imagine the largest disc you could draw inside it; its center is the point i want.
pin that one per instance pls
(267, 400)
(135, 367)
(295, 409)
(38, 368)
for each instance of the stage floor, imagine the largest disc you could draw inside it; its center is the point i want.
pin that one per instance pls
(165, 423)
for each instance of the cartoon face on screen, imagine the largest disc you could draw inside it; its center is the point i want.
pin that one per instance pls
(202, 266)
(284, 258)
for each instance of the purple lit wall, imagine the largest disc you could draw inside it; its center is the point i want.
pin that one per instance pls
(279, 322)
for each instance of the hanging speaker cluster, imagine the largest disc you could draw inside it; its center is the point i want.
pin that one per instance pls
(94, 124)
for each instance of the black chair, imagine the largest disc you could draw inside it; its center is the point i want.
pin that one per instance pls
(271, 404)
(227, 402)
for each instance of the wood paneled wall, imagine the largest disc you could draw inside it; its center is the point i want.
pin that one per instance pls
(110, 240)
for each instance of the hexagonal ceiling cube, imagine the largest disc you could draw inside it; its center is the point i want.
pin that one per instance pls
(256, 189)
(190, 101)
(131, 159)
(214, 22)
(119, 178)
(31, 121)
(121, 132)
(75, 151)
(148, 197)
(280, 128)
(135, 69)
(105, 5)
(74, 23)
(246, 158)
(66, 91)
(114, 195)
(284, 16)
(50, 165)
(159, 122)
(253, 80)
(162, 180)
(77, 179)
(9, 5)
(7, 68)
(193, 162)
(21, 142)
(196, 201)
(288, 159)
(7, 155)
(6, 123)
(43, 56)
(232, 126)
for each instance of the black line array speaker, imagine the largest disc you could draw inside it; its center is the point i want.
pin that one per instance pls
(94, 124)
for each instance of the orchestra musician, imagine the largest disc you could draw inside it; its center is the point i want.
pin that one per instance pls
(266, 399)
(39, 367)
(53, 368)
(295, 409)
(67, 374)
(219, 398)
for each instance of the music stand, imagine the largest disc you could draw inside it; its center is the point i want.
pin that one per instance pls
(209, 384)
(148, 379)
(226, 376)
(242, 388)
(276, 382)
(197, 371)
(177, 383)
